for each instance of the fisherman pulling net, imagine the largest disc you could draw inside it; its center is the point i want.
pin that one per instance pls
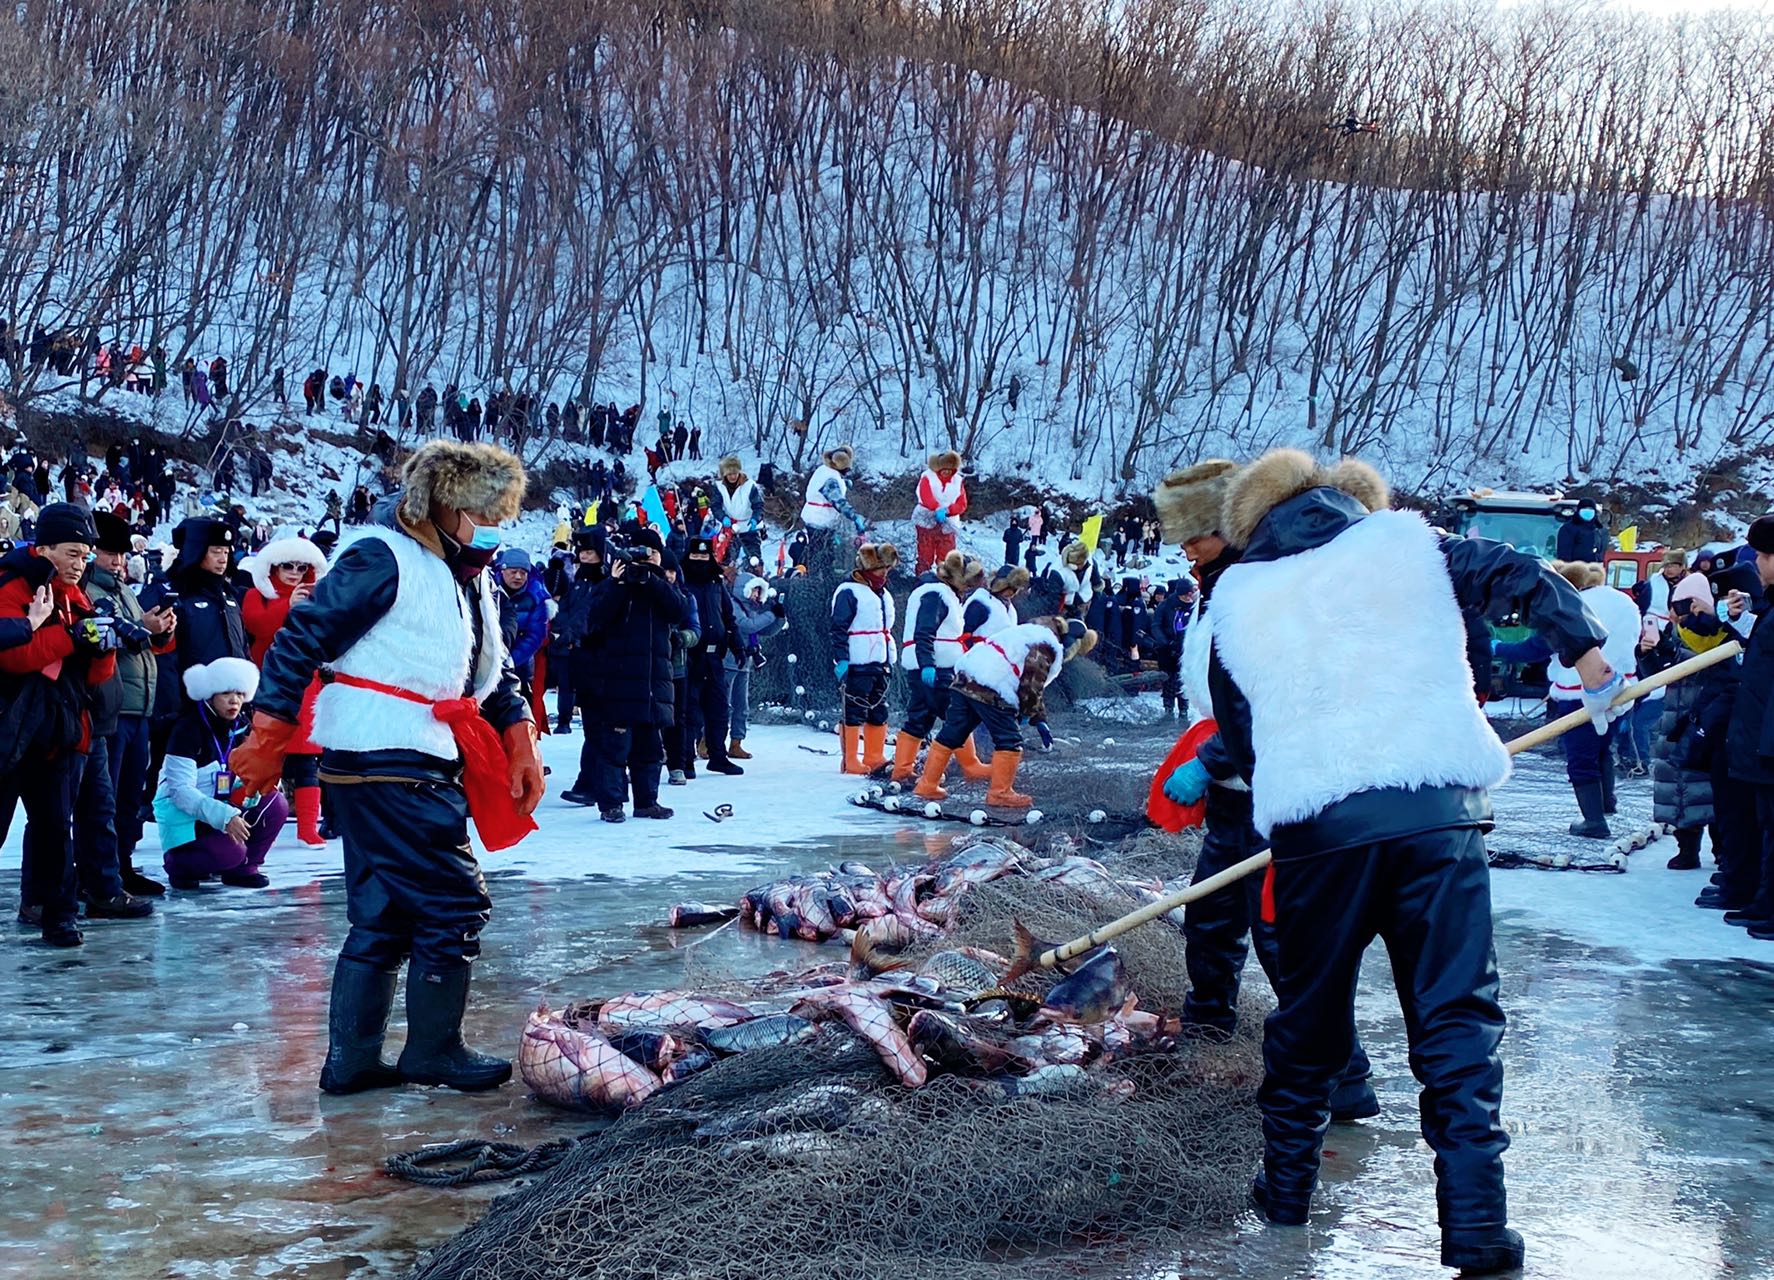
(1040, 1114)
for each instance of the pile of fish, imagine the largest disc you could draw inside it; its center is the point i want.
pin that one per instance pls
(923, 897)
(953, 1014)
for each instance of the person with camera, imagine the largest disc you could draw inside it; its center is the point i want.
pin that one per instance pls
(284, 574)
(104, 812)
(620, 632)
(209, 617)
(45, 688)
(759, 612)
(718, 637)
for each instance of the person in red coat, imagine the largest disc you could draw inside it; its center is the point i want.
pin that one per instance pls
(44, 726)
(942, 498)
(284, 574)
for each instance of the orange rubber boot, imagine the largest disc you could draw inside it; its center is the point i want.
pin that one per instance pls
(905, 756)
(972, 767)
(874, 747)
(1002, 794)
(850, 735)
(930, 785)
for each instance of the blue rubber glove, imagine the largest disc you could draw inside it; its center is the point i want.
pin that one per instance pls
(1046, 735)
(942, 517)
(840, 669)
(861, 524)
(1188, 784)
(928, 676)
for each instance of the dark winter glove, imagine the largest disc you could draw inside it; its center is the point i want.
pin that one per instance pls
(778, 608)
(1046, 735)
(95, 636)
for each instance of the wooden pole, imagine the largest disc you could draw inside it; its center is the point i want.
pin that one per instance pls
(1238, 870)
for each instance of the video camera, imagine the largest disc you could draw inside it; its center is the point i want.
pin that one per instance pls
(130, 634)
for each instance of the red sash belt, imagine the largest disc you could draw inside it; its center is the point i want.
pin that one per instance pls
(484, 778)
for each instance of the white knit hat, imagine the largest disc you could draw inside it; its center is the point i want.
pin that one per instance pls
(224, 675)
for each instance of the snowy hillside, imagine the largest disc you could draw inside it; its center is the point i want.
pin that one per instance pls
(782, 228)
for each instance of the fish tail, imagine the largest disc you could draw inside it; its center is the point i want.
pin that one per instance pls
(1022, 959)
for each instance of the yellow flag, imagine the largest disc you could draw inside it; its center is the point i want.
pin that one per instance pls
(1092, 530)
(1628, 538)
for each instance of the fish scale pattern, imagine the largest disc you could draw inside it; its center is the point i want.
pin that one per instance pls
(809, 1161)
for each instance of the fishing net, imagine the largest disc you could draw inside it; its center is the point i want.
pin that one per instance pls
(807, 1162)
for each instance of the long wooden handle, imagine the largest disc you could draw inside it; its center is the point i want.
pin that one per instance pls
(1256, 862)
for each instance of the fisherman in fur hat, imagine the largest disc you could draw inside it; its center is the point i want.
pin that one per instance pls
(827, 504)
(942, 498)
(1217, 927)
(999, 682)
(1369, 763)
(742, 511)
(1078, 578)
(421, 724)
(862, 645)
(992, 606)
(935, 639)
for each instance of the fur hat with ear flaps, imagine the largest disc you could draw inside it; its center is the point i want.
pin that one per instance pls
(840, 458)
(957, 569)
(731, 466)
(871, 556)
(1009, 579)
(482, 479)
(1189, 501)
(1076, 554)
(946, 460)
(1281, 474)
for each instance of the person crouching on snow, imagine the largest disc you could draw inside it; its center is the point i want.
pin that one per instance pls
(207, 825)
(997, 682)
(862, 649)
(284, 573)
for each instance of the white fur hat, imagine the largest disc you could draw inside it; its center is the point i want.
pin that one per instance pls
(224, 675)
(283, 551)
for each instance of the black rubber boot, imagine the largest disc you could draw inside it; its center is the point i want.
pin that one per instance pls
(435, 1053)
(1283, 1213)
(356, 1024)
(1687, 850)
(1609, 806)
(1594, 825)
(1483, 1251)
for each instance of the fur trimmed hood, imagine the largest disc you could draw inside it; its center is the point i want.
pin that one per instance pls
(1189, 501)
(959, 570)
(285, 551)
(1008, 580)
(481, 479)
(872, 556)
(224, 675)
(945, 460)
(1281, 474)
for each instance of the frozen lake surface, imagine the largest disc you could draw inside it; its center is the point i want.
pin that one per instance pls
(159, 1109)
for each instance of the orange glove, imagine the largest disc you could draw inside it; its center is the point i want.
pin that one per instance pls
(523, 766)
(258, 762)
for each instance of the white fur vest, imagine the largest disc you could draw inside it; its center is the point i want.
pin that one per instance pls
(871, 630)
(1619, 617)
(947, 649)
(422, 644)
(816, 512)
(946, 495)
(999, 613)
(1353, 658)
(737, 504)
(998, 663)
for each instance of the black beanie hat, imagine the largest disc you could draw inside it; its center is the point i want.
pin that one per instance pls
(64, 522)
(1761, 535)
(113, 533)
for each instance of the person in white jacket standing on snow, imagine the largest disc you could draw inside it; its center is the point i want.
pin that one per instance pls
(827, 504)
(942, 498)
(862, 654)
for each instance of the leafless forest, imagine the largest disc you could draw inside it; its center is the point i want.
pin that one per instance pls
(1451, 237)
